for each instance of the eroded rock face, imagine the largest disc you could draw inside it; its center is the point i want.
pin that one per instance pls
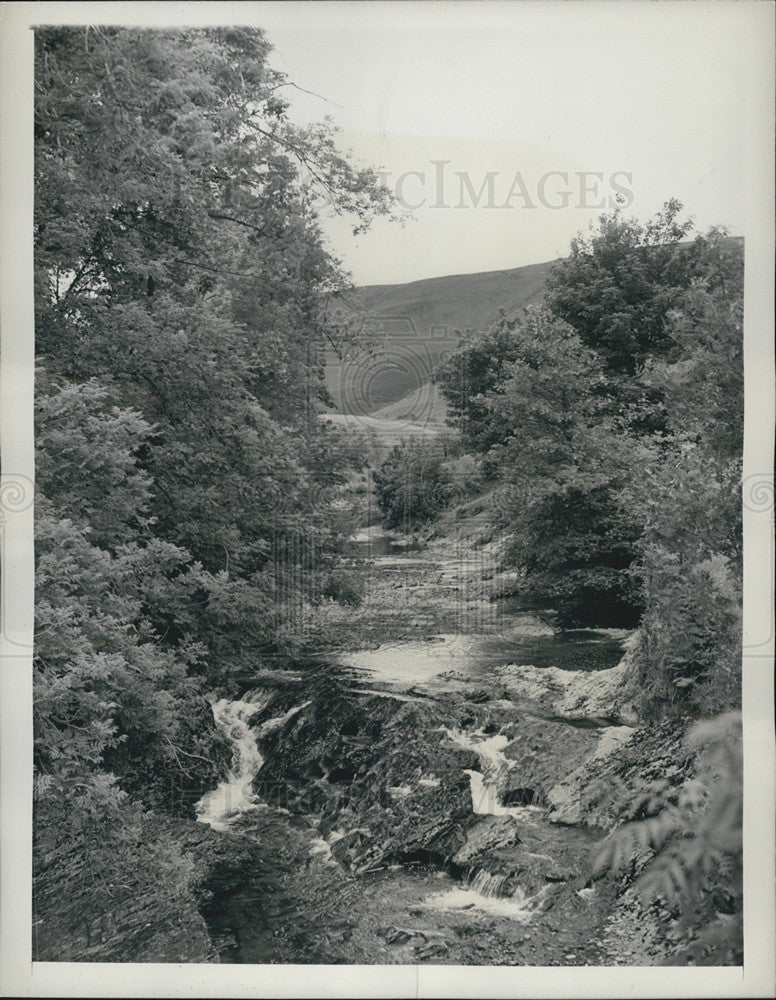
(93, 905)
(574, 695)
(542, 751)
(488, 833)
(388, 786)
(383, 782)
(567, 800)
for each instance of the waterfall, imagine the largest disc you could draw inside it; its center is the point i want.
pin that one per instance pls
(485, 796)
(488, 885)
(485, 893)
(235, 794)
(486, 784)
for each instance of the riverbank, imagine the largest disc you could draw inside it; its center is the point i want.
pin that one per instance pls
(430, 785)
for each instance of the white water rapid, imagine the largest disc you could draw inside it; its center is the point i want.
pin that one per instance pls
(487, 884)
(235, 795)
(482, 894)
(486, 784)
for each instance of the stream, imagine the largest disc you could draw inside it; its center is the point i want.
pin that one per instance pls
(401, 794)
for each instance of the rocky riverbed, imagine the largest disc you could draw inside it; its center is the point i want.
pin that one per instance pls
(430, 781)
(434, 786)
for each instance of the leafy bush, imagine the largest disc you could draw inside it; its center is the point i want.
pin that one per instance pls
(689, 847)
(687, 655)
(412, 485)
(574, 548)
(465, 475)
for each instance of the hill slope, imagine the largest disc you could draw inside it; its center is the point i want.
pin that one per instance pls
(417, 325)
(457, 301)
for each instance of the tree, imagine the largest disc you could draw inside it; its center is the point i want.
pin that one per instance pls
(618, 284)
(104, 676)
(562, 456)
(412, 484)
(181, 284)
(180, 263)
(701, 376)
(471, 371)
(687, 494)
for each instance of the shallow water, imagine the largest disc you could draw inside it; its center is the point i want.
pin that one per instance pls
(371, 543)
(418, 661)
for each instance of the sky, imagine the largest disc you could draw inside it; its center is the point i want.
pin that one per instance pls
(508, 127)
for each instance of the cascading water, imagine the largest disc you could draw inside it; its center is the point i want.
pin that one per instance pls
(488, 885)
(235, 795)
(485, 784)
(485, 892)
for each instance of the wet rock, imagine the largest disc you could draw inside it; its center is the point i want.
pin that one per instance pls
(576, 694)
(567, 800)
(556, 873)
(520, 796)
(478, 697)
(431, 950)
(489, 832)
(392, 935)
(349, 847)
(564, 802)
(541, 857)
(544, 753)
(382, 785)
(341, 775)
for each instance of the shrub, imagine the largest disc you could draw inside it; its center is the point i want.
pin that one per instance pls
(411, 485)
(690, 846)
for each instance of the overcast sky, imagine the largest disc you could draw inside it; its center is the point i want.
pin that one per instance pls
(540, 96)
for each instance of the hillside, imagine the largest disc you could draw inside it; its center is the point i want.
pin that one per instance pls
(418, 324)
(456, 301)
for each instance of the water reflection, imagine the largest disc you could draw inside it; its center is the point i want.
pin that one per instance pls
(475, 656)
(371, 543)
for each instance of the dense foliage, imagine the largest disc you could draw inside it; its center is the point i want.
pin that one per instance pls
(420, 477)
(185, 486)
(688, 846)
(612, 417)
(619, 282)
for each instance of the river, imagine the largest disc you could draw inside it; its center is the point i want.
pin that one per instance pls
(402, 791)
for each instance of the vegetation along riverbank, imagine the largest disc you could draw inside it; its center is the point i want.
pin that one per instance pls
(452, 677)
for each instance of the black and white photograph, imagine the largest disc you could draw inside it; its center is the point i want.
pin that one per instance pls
(387, 499)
